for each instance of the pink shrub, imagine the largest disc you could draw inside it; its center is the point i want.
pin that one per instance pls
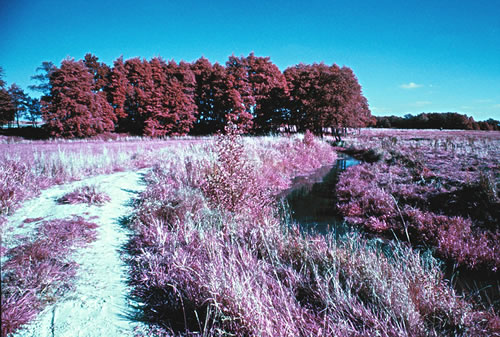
(231, 183)
(308, 138)
(85, 195)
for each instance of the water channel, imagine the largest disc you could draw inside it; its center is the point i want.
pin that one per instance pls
(311, 198)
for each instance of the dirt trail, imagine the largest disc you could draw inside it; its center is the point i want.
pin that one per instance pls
(98, 306)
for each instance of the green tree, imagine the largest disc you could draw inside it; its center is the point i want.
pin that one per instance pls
(20, 102)
(7, 112)
(43, 78)
(33, 111)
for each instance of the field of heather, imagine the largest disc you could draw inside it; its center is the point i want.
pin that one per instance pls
(191, 237)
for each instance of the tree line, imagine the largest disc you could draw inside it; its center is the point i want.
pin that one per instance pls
(84, 98)
(436, 120)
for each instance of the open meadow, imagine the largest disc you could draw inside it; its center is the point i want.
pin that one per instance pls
(205, 246)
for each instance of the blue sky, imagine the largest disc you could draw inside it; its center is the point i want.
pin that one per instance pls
(409, 56)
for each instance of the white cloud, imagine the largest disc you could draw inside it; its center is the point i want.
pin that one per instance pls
(378, 109)
(422, 103)
(411, 85)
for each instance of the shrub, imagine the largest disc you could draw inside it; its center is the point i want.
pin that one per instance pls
(308, 138)
(86, 194)
(231, 183)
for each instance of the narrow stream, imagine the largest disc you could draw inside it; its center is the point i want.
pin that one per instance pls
(312, 198)
(311, 201)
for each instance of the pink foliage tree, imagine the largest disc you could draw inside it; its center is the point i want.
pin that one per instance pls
(74, 109)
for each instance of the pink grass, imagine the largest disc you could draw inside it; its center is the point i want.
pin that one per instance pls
(426, 192)
(17, 183)
(28, 167)
(202, 262)
(37, 272)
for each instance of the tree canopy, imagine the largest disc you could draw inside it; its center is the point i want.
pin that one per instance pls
(436, 120)
(163, 98)
(7, 110)
(74, 109)
(323, 96)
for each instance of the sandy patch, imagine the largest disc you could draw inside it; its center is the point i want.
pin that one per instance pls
(98, 306)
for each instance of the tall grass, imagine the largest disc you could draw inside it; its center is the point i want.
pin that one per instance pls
(28, 167)
(204, 260)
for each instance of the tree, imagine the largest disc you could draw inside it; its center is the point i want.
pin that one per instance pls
(117, 89)
(240, 93)
(33, 111)
(269, 91)
(2, 82)
(7, 112)
(74, 110)
(172, 98)
(217, 101)
(137, 105)
(153, 98)
(100, 72)
(43, 77)
(19, 101)
(262, 92)
(324, 96)
(312, 90)
(204, 97)
(355, 111)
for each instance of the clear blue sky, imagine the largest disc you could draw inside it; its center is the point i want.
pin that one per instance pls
(409, 56)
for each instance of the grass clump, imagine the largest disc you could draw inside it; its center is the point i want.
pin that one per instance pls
(90, 195)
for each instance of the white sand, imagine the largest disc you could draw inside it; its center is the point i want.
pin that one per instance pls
(98, 306)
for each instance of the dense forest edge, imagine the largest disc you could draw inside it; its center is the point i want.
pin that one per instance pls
(159, 98)
(437, 120)
(156, 98)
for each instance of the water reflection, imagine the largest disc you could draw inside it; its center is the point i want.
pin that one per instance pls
(312, 198)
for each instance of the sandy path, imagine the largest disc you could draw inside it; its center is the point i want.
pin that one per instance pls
(98, 306)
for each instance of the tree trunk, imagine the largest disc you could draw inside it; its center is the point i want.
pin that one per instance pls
(337, 135)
